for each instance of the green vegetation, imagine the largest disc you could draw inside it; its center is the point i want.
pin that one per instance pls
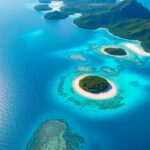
(44, 1)
(136, 29)
(94, 84)
(42, 7)
(128, 19)
(55, 15)
(54, 135)
(85, 8)
(115, 51)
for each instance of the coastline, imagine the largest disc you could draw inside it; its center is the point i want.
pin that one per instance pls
(133, 47)
(102, 96)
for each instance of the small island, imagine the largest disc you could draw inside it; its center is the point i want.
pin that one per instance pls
(94, 87)
(94, 84)
(44, 1)
(55, 15)
(42, 7)
(115, 51)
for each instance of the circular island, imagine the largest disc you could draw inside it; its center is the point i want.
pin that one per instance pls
(115, 51)
(94, 87)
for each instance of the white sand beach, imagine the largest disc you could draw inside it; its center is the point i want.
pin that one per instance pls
(76, 15)
(136, 49)
(56, 5)
(102, 96)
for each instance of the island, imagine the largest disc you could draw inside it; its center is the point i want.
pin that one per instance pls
(115, 51)
(94, 87)
(42, 7)
(55, 15)
(94, 84)
(55, 135)
(128, 18)
(44, 1)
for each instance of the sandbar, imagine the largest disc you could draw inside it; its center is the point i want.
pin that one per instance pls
(136, 49)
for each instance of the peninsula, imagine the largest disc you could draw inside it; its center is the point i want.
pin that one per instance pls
(128, 19)
(42, 7)
(55, 15)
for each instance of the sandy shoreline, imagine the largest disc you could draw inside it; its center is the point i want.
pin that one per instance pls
(136, 49)
(133, 47)
(121, 56)
(75, 15)
(106, 95)
(56, 5)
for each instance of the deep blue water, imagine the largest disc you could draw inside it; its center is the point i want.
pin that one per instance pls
(33, 57)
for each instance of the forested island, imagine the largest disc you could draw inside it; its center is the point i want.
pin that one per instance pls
(42, 7)
(115, 51)
(55, 15)
(94, 87)
(128, 19)
(94, 84)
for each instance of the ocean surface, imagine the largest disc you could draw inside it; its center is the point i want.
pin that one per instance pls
(39, 60)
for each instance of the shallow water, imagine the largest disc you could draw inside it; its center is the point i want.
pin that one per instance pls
(145, 3)
(36, 76)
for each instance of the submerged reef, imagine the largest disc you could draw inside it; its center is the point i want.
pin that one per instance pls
(54, 135)
(78, 57)
(68, 93)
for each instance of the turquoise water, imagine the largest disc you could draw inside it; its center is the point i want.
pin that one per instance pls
(145, 3)
(125, 80)
(36, 74)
